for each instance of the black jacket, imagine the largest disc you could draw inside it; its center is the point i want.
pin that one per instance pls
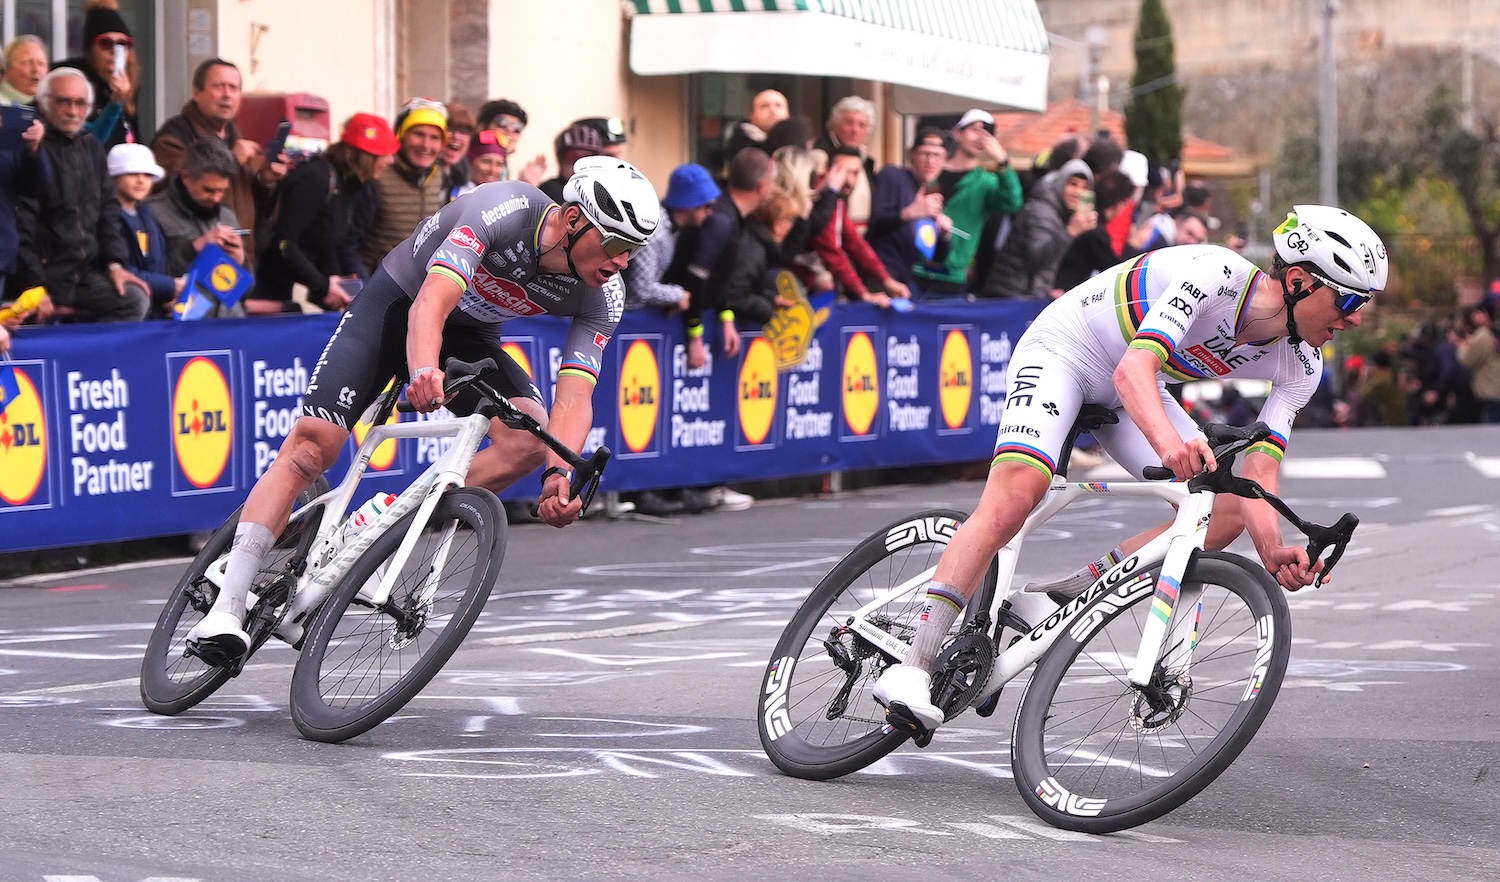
(748, 286)
(68, 232)
(310, 237)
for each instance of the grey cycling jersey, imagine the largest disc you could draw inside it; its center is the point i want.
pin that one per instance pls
(488, 241)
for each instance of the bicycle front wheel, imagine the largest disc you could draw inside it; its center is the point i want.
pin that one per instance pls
(1091, 752)
(361, 663)
(172, 681)
(817, 714)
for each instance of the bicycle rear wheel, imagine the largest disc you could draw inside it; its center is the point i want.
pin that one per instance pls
(360, 664)
(1093, 753)
(171, 681)
(817, 714)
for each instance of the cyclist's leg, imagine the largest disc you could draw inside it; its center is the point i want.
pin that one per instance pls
(365, 351)
(1044, 393)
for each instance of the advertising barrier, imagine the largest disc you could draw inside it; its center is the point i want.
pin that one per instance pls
(129, 431)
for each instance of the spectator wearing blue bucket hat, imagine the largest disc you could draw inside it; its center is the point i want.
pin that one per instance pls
(691, 192)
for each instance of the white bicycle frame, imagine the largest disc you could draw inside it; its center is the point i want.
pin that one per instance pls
(1172, 549)
(332, 556)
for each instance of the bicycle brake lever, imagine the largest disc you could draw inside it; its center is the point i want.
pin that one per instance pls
(1319, 538)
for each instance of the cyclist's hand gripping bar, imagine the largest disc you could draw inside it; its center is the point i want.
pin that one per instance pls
(456, 375)
(1227, 442)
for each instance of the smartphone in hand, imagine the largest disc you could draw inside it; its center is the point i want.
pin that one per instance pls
(277, 144)
(119, 59)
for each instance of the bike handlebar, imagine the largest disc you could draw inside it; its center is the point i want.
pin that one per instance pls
(459, 374)
(1227, 442)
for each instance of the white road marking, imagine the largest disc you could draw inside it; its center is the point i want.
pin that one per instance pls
(1489, 466)
(1332, 467)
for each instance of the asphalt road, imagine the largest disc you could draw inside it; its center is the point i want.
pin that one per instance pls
(599, 722)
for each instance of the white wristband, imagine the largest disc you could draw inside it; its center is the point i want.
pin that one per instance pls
(417, 372)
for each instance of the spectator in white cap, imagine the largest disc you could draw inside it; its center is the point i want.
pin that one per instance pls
(134, 168)
(976, 182)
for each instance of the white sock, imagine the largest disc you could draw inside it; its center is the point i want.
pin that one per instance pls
(944, 603)
(251, 543)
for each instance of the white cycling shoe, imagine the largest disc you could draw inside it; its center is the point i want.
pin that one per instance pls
(908, 689)
(219, 638)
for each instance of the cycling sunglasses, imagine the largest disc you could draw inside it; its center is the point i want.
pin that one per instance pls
(105, 42)
(614, 246)
(1345, 300)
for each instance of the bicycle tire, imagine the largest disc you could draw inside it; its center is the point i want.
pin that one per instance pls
(1084, 756)
(818, 720)
(172, 682)
(355, 669)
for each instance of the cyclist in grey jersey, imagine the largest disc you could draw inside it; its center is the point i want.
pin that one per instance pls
(498, 252)
(1181, 312)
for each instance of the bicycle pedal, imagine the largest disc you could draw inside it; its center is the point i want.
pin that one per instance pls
(219, 654)
(901, 720)
(988, 707)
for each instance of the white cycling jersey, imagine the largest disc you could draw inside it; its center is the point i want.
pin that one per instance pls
(1186, 305)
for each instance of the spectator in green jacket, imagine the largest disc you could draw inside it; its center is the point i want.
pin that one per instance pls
(976, 182)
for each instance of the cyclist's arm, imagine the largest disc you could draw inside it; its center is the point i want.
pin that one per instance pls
(571, 418)
(1135, 380)
(1288, 565)
(435, 300)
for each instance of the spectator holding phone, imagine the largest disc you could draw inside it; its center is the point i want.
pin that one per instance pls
(310, 245)
(25, 65)
(109, 62)
(192, 212)
(209, 115)
(135, 171)
(1056, 212)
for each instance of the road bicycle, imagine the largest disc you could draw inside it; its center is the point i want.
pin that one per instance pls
(374, 613)
(1146, 686)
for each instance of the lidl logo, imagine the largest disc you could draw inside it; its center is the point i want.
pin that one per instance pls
(956, 379)
(224, 277)
(385, 454)
(640, 396)
(861, 386)
(202, 422)
(757, 391)
(521, 357)
(23, 444)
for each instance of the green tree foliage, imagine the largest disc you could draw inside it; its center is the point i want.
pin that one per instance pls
(1430, 187)
(1153, 115)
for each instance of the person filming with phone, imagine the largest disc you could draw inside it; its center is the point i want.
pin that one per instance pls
(210, 115)
(1059, 209)
(109, 62)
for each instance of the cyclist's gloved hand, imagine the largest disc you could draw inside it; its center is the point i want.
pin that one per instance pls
(1190, 459)
(1290, 567)
(425, 391)
(556, 507)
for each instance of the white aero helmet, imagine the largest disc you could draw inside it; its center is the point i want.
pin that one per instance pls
(1338, 246)
(617, 199)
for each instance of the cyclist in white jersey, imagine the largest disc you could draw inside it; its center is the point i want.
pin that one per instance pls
(1182, 313)
(500, 251)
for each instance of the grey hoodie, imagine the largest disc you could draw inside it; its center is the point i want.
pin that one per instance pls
(1027, 262)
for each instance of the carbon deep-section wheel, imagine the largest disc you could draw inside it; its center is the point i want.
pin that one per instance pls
(171, 681)
(362, 663)
(817, 714)
(1094, 753)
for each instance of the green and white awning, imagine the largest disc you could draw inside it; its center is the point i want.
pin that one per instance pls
(993, 51)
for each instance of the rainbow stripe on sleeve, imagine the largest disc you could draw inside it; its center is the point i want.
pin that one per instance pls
(575, 368)
(1274, 446)
(1026, 455)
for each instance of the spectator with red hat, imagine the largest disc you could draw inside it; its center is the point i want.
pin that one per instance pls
(309, 243)
(411, 188)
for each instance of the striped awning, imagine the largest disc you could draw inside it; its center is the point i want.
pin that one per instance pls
(993, 51)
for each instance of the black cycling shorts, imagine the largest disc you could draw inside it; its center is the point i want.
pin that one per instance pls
(368, 350)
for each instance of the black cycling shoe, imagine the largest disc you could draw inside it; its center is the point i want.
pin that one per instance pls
(219, 650)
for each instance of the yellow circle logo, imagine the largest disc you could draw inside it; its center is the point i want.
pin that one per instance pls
(861, 391)
(202, 422)
(758, 391)
(385, 454)
(518, 354)
(955, 379)
(23, 443)
(224, 278)
(640, 394)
